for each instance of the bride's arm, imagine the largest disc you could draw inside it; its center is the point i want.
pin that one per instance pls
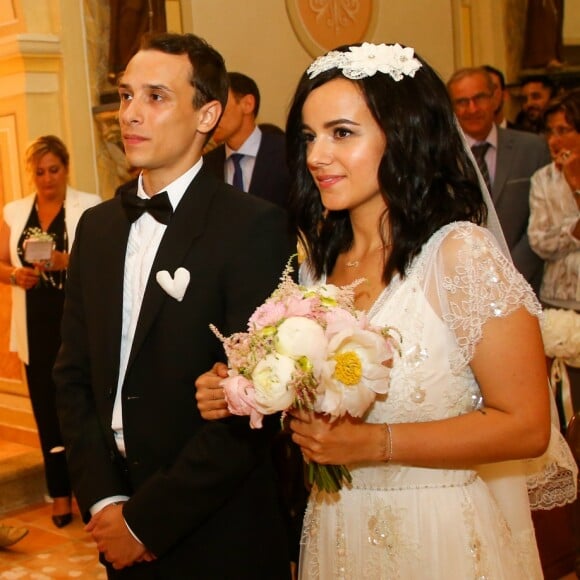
(509, 366)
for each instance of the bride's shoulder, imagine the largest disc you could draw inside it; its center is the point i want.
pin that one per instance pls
(461, 238)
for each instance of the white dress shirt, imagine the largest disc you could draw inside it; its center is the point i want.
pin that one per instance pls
(249, 150)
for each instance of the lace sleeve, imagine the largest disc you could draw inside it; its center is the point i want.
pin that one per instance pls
(468, 280)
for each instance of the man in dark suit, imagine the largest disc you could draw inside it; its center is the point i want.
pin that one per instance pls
(507, 159)
(261, 170)
(168, 495)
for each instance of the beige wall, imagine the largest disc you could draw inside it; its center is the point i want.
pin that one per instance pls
(257, 38)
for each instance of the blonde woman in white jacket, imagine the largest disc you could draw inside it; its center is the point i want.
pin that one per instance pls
(50, 214)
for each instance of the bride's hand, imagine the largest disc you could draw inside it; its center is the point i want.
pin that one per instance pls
(209, 394)
(345, 440)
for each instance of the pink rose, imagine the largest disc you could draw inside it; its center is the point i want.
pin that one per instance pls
(299, 306)
(241, 398)
(269, 314)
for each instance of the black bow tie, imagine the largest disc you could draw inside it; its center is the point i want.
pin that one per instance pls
(158, 206)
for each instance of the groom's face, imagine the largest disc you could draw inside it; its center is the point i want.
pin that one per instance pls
(159, 123)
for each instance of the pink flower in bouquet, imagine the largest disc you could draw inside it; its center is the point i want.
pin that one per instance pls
(266, 315)
(241, 398)
(300, 306)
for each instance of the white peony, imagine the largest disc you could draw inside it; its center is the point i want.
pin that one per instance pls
(354, 373)
(271, 378)
(299, 337)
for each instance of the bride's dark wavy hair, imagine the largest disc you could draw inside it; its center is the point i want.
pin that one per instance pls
(426, 177)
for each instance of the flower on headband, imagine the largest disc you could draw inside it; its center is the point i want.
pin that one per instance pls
(368, 59)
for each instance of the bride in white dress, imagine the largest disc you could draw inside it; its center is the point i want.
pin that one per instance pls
(384, 190)
(442, 484)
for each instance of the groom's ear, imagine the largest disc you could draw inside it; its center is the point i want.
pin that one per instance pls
(209, 116)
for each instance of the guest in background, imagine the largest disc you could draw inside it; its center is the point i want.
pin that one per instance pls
(52, 212)
(247, 157)
(501, 95)
(506, 158)
(554, 229)
(554, 234)
(536, 92)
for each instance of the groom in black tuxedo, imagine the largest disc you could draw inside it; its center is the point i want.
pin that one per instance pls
(166, 494)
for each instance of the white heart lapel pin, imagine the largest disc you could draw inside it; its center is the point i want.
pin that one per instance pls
(175, 286)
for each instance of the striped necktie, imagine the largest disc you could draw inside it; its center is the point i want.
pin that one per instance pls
(479, 150)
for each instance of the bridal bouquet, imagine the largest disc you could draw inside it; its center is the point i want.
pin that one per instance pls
(308, 348)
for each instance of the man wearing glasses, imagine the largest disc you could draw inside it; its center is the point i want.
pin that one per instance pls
(506, 158)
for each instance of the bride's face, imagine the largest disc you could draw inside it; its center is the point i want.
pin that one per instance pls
(344, 147)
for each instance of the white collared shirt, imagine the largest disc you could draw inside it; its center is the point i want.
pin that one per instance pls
(144, 238)
(249, 150)
(491, 154)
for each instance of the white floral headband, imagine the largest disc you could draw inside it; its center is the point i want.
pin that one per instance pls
(365, 60)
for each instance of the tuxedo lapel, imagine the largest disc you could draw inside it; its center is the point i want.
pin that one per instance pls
(187, 224)
(503, 163)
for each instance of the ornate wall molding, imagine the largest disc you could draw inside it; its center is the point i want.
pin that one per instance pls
(321, 25)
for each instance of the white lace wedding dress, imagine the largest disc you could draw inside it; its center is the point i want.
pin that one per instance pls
(406, 522)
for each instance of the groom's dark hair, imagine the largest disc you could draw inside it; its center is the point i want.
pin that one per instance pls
(209, 76)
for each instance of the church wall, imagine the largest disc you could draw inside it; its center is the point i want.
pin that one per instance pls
(257, 38)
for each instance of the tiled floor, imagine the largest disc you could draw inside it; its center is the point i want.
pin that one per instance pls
(47, 552)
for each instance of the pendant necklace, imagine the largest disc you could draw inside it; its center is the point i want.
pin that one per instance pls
(356, 263)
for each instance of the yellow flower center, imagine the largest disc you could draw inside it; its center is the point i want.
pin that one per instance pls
(348, 368)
